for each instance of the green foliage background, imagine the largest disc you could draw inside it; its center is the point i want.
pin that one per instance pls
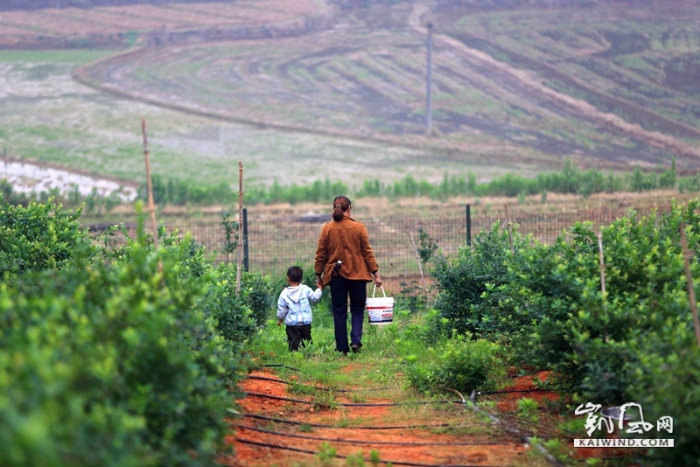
(116, 355)
(633, 343)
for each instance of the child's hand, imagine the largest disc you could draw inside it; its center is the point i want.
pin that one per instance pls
(279, 322)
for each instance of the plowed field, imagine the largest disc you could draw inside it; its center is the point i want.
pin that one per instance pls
(507, 97)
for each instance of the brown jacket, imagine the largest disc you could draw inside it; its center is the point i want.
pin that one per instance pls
(348, 242)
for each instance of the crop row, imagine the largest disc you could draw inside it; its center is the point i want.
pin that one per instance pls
(369, 85)
(608, 312)
(116, 355)
(113, 20)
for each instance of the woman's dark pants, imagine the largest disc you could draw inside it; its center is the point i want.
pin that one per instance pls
(357, 290)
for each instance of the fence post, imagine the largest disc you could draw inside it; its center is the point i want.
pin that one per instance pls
(687, 255)
(469, 226)
(245, 240)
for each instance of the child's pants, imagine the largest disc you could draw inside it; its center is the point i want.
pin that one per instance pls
(298, 334)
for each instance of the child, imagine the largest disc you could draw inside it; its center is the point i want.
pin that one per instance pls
(294, 308)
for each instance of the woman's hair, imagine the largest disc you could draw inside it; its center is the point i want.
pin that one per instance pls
(340, 205)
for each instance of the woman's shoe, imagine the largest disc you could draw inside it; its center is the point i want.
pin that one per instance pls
(355, 348)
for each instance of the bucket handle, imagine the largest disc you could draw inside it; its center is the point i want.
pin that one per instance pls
(375, 289)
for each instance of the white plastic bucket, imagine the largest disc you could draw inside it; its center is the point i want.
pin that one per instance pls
(380, 310)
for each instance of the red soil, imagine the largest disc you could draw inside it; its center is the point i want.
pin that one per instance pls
(347, 417)
(509, 401)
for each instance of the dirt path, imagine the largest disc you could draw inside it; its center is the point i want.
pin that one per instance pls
(435, 434)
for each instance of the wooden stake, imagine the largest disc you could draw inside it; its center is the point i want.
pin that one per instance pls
(149, 184)
(510, 234)
(239, 244)
(601, 261)
(689, 277)
(420, 267)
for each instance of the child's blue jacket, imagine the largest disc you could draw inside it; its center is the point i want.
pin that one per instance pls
(294, 304)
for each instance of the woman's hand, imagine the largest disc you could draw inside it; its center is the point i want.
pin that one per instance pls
(377, 279)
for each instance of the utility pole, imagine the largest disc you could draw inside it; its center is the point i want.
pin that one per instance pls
(428, 103)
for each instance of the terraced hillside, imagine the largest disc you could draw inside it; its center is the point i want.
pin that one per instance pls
(125, 25)
(523, 85)
(633, 62)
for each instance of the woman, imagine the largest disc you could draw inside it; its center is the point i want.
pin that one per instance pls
(344, 239)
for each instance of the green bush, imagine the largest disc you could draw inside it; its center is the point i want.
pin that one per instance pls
(460, 364)
(586, 337)
(9, 195)
(570, 179)
(238, 318)
(430, 331)
(668, 384)
(38, 237)
(635, 343)
(114, 350)
(469, 286)
(114, 357)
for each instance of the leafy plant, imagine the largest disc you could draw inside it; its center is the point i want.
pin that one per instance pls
(527, 408)
(462, 364)
(374, 457)
(305, 428)
(470, 286)
(115, 356)
(39, 237)
(231, 229)
(355, 460)
(411, 298)
(326, 454)
(635, 342)
(427, 246)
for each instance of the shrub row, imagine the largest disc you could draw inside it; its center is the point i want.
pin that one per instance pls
(180, 192)
(633, 343)
(570, 180)
(120, 354)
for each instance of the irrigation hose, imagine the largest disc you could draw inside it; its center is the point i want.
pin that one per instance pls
(522, 421)
(280, 365)
(506, 391)
(340, 456)
(455, 391)
(360, 441)
(281, 381)
(525, 438)
(359, 427)
(352, 404)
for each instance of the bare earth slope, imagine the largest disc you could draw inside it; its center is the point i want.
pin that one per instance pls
(365, 78)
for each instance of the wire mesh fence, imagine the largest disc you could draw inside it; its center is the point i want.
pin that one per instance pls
(276, 243)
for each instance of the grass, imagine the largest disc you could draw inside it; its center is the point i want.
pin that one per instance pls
(54, 56)
(379, 364)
